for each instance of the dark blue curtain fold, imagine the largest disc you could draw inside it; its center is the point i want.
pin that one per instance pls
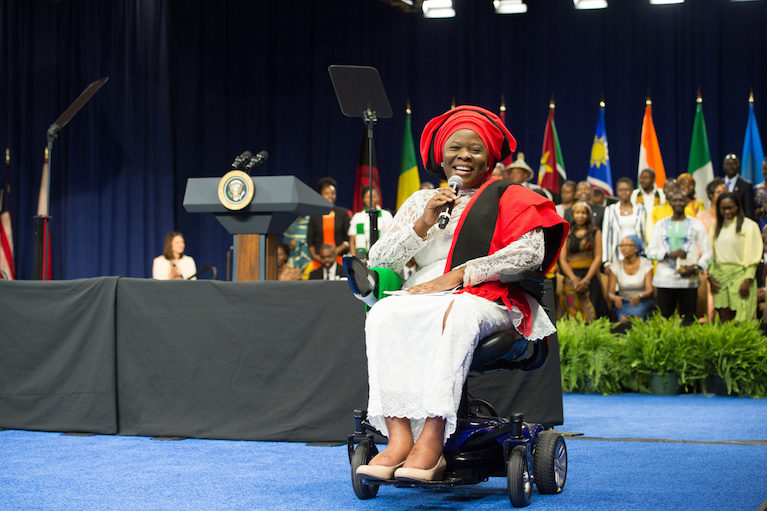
(194, 83)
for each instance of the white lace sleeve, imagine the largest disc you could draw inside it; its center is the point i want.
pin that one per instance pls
(400, 243)
(523, 254)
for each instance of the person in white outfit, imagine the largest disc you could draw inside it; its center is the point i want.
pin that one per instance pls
(173, 264)
(420, 342)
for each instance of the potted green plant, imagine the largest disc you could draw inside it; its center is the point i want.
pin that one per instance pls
(736, 359)
(589, 357)
(653, 348)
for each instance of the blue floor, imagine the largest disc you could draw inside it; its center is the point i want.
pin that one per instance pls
(50, 471)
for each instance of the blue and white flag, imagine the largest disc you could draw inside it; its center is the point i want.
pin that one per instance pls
(599, 168)
(753, 155)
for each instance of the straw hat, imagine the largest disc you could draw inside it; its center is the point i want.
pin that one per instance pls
(519, 163)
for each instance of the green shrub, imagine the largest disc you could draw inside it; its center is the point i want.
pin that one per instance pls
(596, 360)
(588, 353)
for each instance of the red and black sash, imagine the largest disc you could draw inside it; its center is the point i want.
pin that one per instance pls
(497, 215)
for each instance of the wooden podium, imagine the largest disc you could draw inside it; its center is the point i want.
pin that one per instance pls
(277, 201)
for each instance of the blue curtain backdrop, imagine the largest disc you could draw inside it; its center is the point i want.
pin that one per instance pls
(193, 83)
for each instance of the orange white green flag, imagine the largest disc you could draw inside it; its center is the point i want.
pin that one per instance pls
(649, 150)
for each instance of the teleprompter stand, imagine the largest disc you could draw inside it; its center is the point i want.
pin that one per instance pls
(360, 93)
(42, 227)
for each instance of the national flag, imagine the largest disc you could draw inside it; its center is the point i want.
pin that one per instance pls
(363, 173)
(600, 175)
(649, 150)
(409, 181)
(7, 267)
(753, 154)
(699, 165)
(551, 173)
(506, 161)
(43, 268)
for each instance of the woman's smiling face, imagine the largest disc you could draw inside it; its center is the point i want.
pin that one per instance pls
(465, 155)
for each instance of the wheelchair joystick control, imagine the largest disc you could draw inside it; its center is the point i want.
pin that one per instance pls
(515, 422)
(359, 416)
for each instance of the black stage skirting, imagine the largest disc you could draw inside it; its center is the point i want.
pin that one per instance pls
(204, 359)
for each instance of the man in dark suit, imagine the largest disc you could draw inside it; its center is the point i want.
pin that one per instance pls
(330, 270)
(743, 188)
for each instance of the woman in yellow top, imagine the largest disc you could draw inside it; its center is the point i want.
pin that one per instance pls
(738, 247)
(687, 184)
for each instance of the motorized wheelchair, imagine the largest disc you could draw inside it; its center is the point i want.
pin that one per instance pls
(484, 444)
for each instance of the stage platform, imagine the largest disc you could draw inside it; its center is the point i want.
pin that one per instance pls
(204, 359)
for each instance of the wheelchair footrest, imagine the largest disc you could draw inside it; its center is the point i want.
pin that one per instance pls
(448, 481)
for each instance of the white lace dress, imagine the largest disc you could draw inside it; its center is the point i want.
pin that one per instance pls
(416, 369)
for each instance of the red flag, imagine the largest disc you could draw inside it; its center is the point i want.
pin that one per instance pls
(363, 174)
(506, 161)
(7, 268)
(551, 173)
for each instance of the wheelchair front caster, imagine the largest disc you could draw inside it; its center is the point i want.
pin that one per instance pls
(362, 489)
(550, 462)
(518, 481)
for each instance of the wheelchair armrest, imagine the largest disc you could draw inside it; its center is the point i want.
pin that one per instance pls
(513, 276)
(509, 350)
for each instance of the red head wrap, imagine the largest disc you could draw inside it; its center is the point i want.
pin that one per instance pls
(488, 126)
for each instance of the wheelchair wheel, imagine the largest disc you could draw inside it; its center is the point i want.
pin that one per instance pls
(362, 455)
(550, 462)
(518, 478)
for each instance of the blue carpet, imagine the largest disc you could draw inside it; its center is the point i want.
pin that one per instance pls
(682, 417)
(49, 471)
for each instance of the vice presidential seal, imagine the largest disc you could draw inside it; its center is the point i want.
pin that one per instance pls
(235, 190)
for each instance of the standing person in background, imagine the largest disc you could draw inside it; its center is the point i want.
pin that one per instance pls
(330, 229)
(359, 227)
(707, 217)
(760, 198)
(520, 173)
(737, 250)
(579, 261)
(621, 219)
(687, 185)
(584, 193)
(675, 243)
(173, 264)
(714, 189)
(647, 193)
(566, 197)
(737, 185)
(295, 238)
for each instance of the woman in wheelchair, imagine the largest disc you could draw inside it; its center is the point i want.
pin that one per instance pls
(420, 343)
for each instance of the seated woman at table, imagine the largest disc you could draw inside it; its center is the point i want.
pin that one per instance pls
(632, 276)
(420, 344)
(173, 264)
(284, 270)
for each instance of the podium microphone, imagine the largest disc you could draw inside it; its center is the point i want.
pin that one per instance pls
(257, 160)
(242, 158)
(455, 182)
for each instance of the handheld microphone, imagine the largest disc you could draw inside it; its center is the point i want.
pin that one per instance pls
(257, 160)
(455, 182)
(242, 158)
(173, 263)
